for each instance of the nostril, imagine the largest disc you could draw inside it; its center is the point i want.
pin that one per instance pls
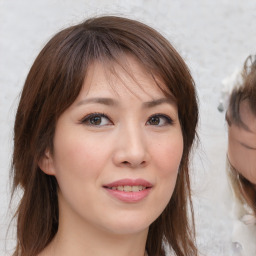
(127, 163)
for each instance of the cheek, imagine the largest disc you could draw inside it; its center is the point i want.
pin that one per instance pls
(168, 155)
(78, 162)
(244, 162)
(78, 155)
(234, 154)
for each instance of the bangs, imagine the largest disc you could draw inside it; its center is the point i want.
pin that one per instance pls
(246, 91)
(120, 65)
(111, 49)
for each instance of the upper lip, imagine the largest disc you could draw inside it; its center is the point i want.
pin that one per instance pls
(129, 182)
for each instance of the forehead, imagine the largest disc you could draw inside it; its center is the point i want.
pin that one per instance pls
(247, 117)
(127, 77)
(244, 134)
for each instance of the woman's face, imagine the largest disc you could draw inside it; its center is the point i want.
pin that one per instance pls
(117, 151)
(242, 144)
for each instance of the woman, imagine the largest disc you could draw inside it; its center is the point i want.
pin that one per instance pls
(241, 119)
(102, 140)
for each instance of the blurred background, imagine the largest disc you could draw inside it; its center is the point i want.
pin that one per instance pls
(214, 38)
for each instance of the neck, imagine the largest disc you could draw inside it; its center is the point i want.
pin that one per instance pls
(82, 239)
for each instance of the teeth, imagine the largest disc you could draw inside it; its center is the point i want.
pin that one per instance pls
(120, 188)
(129, 188)
(136, 188)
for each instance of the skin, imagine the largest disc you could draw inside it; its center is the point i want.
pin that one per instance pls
(135, 139)
(242, 144)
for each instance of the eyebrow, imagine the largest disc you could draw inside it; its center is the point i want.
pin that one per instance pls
(157, 102)
(112, 102)
(104, 101)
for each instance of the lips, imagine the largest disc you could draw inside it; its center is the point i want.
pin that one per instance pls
(129, 190)
(129, 182)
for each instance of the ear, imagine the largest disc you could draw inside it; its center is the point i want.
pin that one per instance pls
(46, 163)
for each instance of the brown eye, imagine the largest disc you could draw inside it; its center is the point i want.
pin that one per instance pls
(96, 120)
(155, 120)
(159, 120)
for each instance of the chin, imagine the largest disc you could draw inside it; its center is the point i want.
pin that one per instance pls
(129, 225)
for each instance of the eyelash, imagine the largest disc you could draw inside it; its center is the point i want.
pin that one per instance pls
(86, 119)
(168, 120)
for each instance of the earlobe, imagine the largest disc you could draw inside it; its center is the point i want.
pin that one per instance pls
(46, 163)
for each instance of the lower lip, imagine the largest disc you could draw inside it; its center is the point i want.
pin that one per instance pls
(129, 197)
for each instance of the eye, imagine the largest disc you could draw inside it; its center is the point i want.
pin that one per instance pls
(159, 120)
(96, 119)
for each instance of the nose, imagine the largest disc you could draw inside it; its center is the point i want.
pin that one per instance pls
(131, 149)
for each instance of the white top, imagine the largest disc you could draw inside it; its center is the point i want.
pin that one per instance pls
(244, 230)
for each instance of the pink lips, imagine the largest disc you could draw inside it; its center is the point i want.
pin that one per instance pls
(131, 196)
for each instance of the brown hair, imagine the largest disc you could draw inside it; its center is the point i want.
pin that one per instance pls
(52, 85)
(244, 190)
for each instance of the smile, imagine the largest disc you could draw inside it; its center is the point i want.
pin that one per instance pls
(128, 190)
